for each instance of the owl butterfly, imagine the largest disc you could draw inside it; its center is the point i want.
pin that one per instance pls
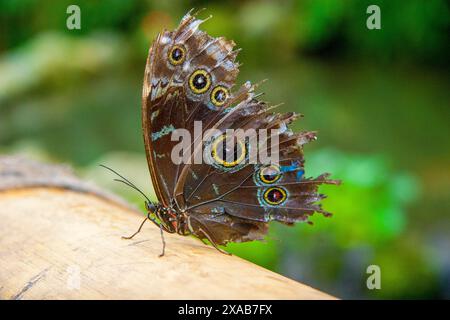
(189, 77)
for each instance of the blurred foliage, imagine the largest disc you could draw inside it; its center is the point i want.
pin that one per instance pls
(379, 98)
(370, 207)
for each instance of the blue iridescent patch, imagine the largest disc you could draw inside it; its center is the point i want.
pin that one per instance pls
(161, 133)
(295, 166)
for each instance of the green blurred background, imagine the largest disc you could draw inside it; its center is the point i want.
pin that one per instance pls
(379, 99)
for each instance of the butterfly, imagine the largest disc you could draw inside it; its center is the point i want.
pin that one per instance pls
(190, 78)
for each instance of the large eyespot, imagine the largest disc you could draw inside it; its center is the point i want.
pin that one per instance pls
(269, 174)
(219, 95)
(224, 155)
(177, 55)
(199, 81)
(275, 196)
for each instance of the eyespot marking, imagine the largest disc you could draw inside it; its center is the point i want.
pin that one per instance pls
(274, 196)
(199, 81)
(219, 96)
(220, 153)
(177, 55)
(268, 175)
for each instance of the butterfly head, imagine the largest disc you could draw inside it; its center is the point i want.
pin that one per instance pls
(151, 207)
(168, 218)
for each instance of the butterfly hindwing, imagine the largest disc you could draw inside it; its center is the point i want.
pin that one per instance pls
(256, 193)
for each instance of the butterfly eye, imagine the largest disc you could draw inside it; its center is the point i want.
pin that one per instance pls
(177, 55)
(225, 156)
(199, 81)
(275, 196)
(219, 95)
(269, 175)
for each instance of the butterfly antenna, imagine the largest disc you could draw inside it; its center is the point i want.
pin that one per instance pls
(126, 182)
(133, 187)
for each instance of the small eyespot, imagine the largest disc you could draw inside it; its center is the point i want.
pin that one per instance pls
(219, 96)
(225, 157)
(177, 55)
(199, 81)
(275, 196)
(269, 174)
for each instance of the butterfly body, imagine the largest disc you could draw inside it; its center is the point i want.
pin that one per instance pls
(189, 78)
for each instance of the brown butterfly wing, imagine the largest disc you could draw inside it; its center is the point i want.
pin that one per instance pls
(229, 204)
(167, 101)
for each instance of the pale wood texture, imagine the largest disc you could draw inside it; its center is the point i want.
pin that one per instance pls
(62, 244)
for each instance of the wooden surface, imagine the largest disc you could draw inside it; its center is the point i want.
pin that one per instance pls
(61, 244)
(60, 238)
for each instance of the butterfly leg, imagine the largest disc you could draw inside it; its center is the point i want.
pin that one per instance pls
(140, 227)
(213, 243)
(139, 230)
(163, 241)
